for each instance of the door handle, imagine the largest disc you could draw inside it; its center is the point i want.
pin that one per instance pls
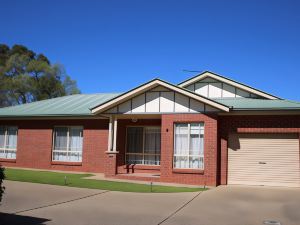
(262, 163)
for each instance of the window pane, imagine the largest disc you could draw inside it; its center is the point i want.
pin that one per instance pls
(152, 140)
(181, 139)
(11, 142)
(195, 139)
(134, 159)
(201, 144)
(8, 142)
(61, 138)
(60, 156)
(135, 139)
(67, 156)
(64, 151)
(189, 146)
(2, 153)
(10, 154)
(152, 159)
(181, 162)
(75, 139)
(2, 137)
(195, 162)
(74, 156)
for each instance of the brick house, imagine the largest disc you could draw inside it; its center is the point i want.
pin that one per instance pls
(208, 130)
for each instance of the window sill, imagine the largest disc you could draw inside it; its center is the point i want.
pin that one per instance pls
(188, 171)
(8, 160)
(66, 163)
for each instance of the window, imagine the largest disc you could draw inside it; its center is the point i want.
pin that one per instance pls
(189, 146)
(143, 145)
(8, 142)
(67, 145)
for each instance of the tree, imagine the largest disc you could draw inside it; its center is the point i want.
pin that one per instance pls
(26, 77)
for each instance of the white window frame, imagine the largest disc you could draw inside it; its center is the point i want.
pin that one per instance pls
(201, 156)
(68, 143)
(143, 154)
(5, 148)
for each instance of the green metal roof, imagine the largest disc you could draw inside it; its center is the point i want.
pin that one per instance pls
(259, 104)
(80, 105)
(72, 105)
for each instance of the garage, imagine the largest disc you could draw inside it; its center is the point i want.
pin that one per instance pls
(264, 159)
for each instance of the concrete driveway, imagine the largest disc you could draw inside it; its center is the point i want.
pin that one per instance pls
(37, 204)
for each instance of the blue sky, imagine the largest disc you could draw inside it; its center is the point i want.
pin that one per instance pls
(112, 46)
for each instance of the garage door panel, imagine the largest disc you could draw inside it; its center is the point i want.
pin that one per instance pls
(264, 159)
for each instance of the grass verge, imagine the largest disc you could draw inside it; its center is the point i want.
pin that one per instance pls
(76, 180)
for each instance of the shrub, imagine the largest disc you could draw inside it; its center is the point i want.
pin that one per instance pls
(2, 176)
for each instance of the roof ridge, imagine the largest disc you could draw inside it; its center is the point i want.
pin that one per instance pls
(98, 93)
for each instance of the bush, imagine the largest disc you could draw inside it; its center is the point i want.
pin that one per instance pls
(2, 176)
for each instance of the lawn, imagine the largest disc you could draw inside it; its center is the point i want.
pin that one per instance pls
(76, 180)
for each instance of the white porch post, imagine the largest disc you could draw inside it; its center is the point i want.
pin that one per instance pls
(115, 134)
(110, 134)
(110, 168)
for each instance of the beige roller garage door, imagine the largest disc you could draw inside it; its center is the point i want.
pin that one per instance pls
(264, 159)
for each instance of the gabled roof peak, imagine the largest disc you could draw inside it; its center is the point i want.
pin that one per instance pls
(223, 79)
(148, 86)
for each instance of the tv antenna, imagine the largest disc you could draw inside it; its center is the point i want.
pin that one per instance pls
(192, 71)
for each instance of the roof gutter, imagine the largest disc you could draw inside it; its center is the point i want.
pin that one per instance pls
(49, 117)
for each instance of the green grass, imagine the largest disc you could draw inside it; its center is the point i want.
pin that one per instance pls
(76, 180)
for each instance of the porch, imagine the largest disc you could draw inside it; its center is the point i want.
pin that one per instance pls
(158, 129)
(157, 148)
(135, 143)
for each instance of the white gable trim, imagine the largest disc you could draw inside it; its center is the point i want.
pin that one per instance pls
(225, 80)
(153, 84)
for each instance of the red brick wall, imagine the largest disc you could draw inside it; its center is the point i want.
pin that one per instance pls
(206, 177)
(110, 164)
(252, 124)
(35, 144)
(223, 164)
(34, 147)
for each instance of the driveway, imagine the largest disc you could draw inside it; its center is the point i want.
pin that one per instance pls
(37, 204)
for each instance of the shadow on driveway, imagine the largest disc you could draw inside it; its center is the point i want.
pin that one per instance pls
(13, 219)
